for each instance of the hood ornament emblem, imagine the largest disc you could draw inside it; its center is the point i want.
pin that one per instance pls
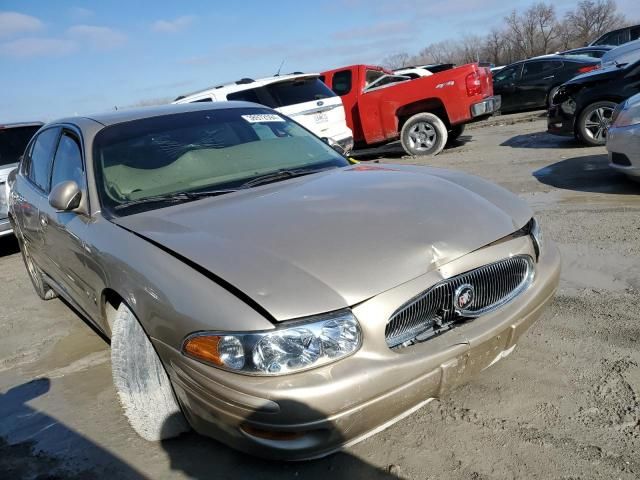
(463, 297)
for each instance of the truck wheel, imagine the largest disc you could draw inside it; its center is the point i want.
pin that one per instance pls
(423, 134)
(42, 288)
(456, 131)
(594, 121)
(141, 381)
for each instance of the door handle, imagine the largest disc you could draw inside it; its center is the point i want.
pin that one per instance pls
(44, 221)
(548, 78)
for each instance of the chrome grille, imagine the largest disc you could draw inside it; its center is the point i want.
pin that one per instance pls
(433, 312)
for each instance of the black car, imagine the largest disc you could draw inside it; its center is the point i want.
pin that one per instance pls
(583, 106)
(529, 84)
(618, 37)
(595, 52)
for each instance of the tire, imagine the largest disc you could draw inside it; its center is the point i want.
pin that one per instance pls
(552, 92)
(42, 288)
(456, 131)
(593, 123)
(143, 386)
(423, 134)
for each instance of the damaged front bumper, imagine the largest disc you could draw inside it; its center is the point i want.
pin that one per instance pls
(314, 413)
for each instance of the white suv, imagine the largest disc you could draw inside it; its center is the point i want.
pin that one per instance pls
(303, 97)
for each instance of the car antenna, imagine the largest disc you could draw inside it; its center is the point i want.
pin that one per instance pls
(280, 68)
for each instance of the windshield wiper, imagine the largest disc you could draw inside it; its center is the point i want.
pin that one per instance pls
(278, 175)
(175, 197)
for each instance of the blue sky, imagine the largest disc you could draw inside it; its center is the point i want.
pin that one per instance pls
(63, 57)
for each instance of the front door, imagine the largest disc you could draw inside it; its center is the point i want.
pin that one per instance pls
(65, 231)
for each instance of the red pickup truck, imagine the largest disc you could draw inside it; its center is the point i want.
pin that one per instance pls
(381, 106)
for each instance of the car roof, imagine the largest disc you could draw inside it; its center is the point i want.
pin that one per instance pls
(592, 47)
(247, 83)
(577, 58)
(4, 126)
(128, 115)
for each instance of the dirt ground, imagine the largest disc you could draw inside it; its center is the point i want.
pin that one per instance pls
(564, 405)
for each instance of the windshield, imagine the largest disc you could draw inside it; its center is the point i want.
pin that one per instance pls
(13, 141)
(200, 151)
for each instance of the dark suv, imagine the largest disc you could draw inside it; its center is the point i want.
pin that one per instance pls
(14, 138)
(529, 84)
(583, 106)
(618, 37)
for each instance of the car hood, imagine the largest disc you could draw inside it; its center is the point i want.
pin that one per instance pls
(331, 240)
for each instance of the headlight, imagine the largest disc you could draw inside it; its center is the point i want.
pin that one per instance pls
(297, 345)
(536, 234)
(628, 114)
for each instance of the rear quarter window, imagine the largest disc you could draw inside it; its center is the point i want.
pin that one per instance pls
(299, 91)
(342, 82)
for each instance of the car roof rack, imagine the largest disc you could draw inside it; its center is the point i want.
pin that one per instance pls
(243, 81)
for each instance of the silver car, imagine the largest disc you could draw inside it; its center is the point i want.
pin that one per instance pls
(13, 140)
(261, 288)
(623, 138)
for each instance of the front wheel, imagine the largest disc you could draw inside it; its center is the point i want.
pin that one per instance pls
(423, 134)
(141, 381)
(594, 121)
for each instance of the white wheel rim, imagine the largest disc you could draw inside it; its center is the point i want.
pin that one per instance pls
(422, 136)
(597, 123)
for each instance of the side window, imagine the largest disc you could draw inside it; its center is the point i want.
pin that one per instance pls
(532, 69)
(250, 95)
(507, 75)
(634, 33)
(341, 83)
(39, 165)
(67, 164)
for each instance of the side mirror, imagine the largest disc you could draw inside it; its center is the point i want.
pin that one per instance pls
(65, 196)
(334, 145)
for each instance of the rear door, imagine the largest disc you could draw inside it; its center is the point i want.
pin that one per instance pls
(537, 79)
(31, 193)
(311, 103)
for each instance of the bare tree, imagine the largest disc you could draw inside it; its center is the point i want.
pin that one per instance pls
(396, 60)
(532, 32)
(591, 19)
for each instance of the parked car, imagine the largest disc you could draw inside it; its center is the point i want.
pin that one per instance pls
(594, 52)
(13, 140)
(530, 84)
(627, 53)
(623, 138)
(423, 113)
(303, 97)
(583, 107)
(259, 287)
(619, 36)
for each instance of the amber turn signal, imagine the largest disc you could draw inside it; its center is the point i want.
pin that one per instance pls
(204, 348)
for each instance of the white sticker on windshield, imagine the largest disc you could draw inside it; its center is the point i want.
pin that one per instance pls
(263, 117)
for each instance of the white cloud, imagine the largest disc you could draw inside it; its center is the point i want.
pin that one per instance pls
(173, 26)
(12, 23)
(81, 13)
(100, 38)
(36, 47)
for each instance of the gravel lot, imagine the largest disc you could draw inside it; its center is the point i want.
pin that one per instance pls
(565, 404)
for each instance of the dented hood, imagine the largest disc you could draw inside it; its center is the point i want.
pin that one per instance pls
(330, 240)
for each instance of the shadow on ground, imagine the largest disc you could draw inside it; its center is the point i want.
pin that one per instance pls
(395, 150)
(541, 140)
(590, 173)
(34, 445)
(8, 245)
